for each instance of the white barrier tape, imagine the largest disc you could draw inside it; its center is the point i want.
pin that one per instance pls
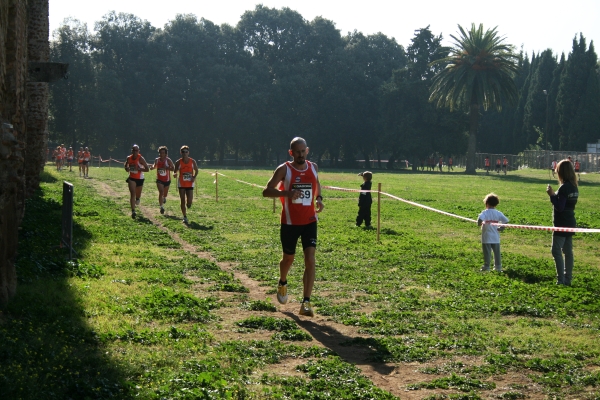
(429, 208)
(547, 228)
(348, 190)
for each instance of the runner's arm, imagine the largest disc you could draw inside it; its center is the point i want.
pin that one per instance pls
(318, 197)
(271, 189)
(145, 164)
(195, 169)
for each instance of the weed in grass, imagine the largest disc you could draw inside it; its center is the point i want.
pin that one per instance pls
(259, 305)
(454, 382)
(84, 270)
(167, 304)
(268, 323)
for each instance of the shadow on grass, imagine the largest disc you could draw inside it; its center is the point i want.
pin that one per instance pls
(345, 346)
(47, 348)
(192, 224)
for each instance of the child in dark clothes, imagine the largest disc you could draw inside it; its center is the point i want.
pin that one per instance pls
(365, 200)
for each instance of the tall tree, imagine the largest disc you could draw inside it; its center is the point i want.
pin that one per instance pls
(535, 104)
(479, 72)
(571, 90)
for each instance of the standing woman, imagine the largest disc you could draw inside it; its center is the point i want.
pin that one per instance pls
(188, 170)
(136, 166)
(564, 201)
(163, 165)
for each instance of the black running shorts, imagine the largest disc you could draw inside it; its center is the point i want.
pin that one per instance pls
(289, 235)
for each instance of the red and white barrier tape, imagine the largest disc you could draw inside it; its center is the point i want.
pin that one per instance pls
(548, 228)
(531, 227)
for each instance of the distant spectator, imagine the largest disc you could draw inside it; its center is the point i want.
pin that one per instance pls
(450, 164)
(553, 168)
(577, 167)
(441, 163)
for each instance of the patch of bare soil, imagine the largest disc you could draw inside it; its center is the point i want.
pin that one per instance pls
(392, 377)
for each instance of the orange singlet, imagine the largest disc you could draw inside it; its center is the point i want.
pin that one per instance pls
(86, 156)
(577, 166)
(302, 210)
(162, 170)
(186, 172)
(80, 157)
(505, 162)
(487, 162)
(135, 169)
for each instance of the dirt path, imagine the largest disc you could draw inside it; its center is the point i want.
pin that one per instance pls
(391, 377)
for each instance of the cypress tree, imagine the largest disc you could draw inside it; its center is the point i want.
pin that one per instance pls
(586, 124)
(535, 104)
(518, 139)
(570, 91)
(554, 127)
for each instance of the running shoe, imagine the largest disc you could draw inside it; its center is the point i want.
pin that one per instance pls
(306, 309)
(282, 296)
(162, 210)
(137, 202)
(133, 214)
(185, 220)
(484, 268)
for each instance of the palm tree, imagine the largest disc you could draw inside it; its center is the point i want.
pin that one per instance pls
(479, 71)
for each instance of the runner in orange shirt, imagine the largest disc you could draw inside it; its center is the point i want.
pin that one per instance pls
(136, 166)
(450, 167)
(487, 165)
(163, 165)
(57, 157)
(577, 167)
(504, 164)
(80, 159)
(87, 157)
(498, 165)
(70, 159)
(188, 170)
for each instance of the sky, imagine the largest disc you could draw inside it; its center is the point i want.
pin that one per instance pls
(532, 24)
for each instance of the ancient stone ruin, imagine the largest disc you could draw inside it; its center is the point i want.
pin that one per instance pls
(24, 75)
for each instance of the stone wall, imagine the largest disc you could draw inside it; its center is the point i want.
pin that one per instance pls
(23, 30)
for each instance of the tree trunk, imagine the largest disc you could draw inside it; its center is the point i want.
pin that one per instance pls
(472, 144)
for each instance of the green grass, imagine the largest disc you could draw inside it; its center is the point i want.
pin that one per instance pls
(138, 316)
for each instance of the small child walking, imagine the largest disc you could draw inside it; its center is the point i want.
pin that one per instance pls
(490, 238)
(365, 200)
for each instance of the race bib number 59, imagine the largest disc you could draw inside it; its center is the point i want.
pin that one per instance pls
(306, 193)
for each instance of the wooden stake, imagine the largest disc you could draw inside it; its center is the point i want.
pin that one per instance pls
(378, 211)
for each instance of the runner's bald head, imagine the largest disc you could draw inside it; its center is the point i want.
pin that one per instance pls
(295, 140)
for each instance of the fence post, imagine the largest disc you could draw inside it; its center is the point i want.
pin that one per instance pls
(99, 158)
(378, 211)
(109, 160)
(217, 186)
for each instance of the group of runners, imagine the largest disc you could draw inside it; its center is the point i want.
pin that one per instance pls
(61, 156)
(431, 164)
(185, 171)
(501, 165)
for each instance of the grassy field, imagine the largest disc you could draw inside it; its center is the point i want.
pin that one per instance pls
(156, 309)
